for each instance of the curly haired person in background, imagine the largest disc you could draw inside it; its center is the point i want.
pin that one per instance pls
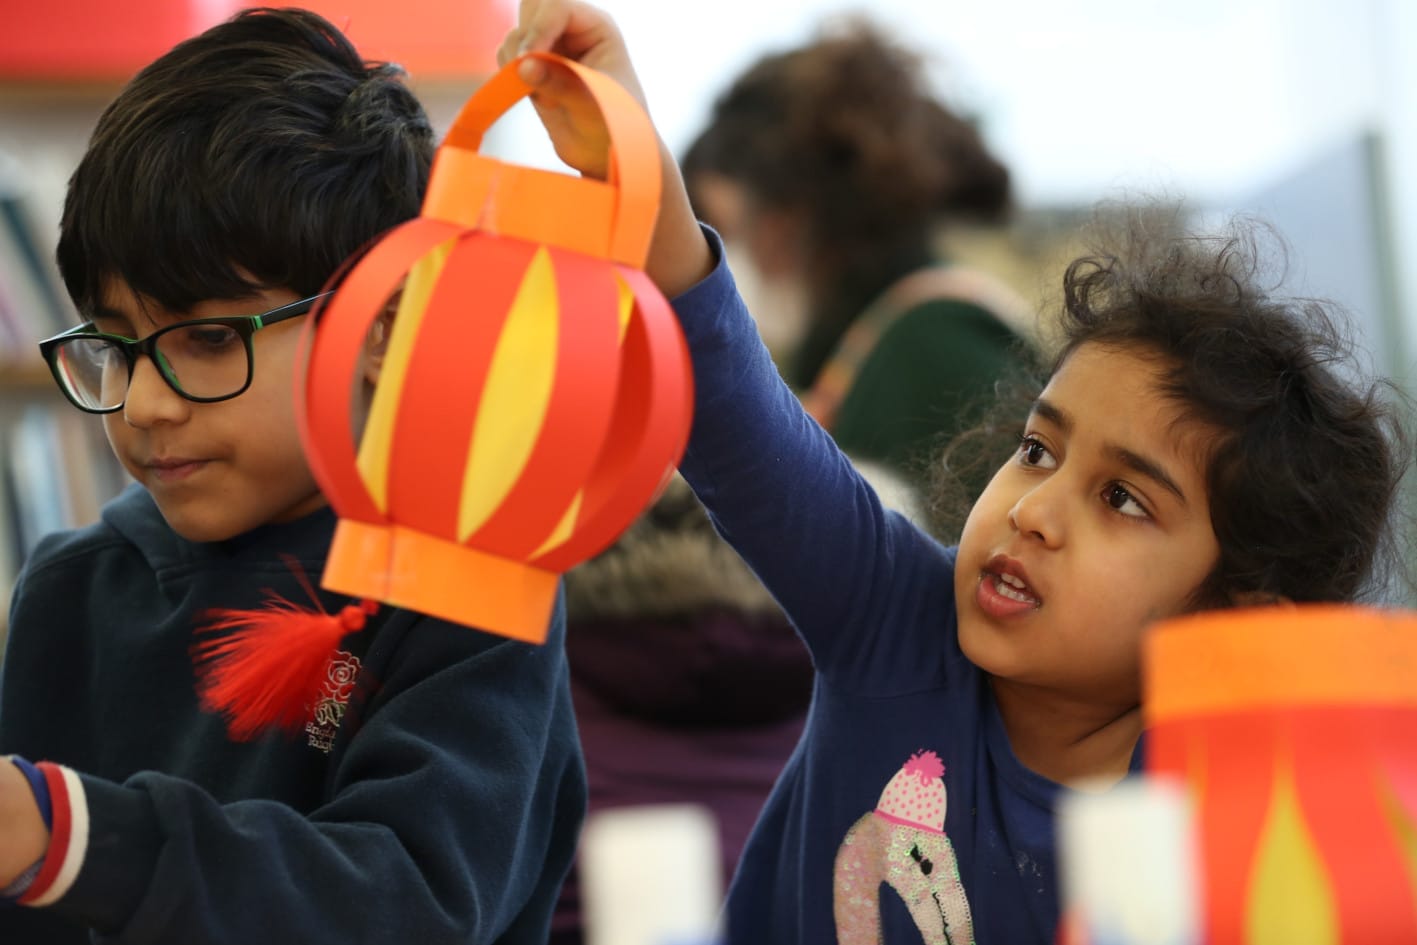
(833, 172)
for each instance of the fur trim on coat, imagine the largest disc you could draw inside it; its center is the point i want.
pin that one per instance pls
(671, 562)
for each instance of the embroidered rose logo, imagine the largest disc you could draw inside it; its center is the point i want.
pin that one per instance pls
(340, 676)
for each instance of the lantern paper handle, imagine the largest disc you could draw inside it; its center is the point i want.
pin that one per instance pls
(612, 219)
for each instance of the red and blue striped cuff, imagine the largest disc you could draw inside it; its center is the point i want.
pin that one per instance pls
(68, 836)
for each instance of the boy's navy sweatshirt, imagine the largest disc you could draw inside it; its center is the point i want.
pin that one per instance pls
(436, 799)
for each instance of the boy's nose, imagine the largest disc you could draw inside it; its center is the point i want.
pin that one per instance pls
(1038, 513)
(150, 400)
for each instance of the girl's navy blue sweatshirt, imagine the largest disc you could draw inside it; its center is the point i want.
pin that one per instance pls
(904, 816)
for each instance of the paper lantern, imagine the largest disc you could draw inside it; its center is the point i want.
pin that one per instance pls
(536, 389)
(1296, 731)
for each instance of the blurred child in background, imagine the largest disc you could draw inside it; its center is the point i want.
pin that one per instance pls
(833, 172)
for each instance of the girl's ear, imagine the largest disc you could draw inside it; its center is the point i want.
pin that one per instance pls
(1259, 599)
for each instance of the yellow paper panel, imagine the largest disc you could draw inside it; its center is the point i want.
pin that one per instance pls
(627, 306)
(1290, 895)
(377, 440)
(564, 528)
(515, 397)
(1404, 830)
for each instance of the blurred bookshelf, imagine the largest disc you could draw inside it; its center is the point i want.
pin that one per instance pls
(56, 471)
(24, 378)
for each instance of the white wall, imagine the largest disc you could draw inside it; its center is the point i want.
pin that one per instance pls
(1208, 99)
(1397, 31)
(1206, 96)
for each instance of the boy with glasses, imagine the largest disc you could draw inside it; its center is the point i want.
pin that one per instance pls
(203, 359)
(437, 793)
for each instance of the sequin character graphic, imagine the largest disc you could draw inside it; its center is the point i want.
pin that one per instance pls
(902, 843)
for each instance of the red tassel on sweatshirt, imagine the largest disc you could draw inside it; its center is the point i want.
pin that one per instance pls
(268, 670)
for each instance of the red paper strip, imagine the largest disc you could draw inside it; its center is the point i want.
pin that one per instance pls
(446, 373)
(578, 417)
(332, 345)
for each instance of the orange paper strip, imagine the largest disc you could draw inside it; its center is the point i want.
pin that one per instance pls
(1236, 659)
(441, 578)
(635, 173)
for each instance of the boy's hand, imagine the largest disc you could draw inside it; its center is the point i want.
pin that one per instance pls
(23, 836)
(679, 255)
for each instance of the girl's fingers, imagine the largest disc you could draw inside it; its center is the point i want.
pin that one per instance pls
(541, 24)
(507, 48)
(534, 73)
(556, 86)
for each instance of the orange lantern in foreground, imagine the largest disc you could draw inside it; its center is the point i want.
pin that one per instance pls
(535, 393)
(1296, 731)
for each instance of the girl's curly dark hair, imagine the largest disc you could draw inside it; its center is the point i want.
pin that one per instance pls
(1305, 468)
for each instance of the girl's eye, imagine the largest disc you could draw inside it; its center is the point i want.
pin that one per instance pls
(1031, 452)
(1118, 498)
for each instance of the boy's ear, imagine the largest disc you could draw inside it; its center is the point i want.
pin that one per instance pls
(376, 343)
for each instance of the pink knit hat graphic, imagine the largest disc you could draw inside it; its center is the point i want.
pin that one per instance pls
(915, 797)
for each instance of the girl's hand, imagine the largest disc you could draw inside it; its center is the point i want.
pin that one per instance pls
(583, 34)
(679, 255)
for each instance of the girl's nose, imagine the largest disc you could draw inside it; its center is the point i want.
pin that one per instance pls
(1038, 513)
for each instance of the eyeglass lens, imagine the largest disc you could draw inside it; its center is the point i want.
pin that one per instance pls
(205, 361)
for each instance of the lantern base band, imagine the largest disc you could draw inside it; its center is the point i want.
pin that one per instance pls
(412, 569)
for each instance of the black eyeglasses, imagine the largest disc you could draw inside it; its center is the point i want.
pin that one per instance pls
(204, 360)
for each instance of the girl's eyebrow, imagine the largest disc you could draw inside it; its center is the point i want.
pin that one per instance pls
(1130, 458)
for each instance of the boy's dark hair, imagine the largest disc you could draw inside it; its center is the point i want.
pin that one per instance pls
(847, 131)
(1305, 471)
(259, 154)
